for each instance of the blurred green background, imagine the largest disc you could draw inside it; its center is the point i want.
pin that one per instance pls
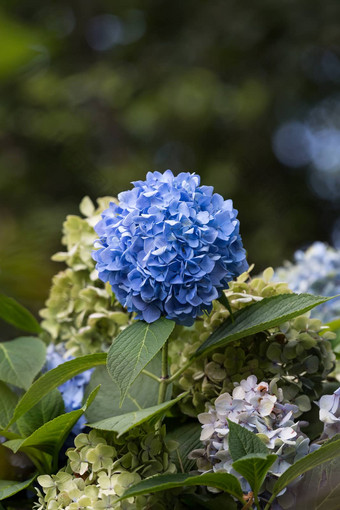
(95, 94)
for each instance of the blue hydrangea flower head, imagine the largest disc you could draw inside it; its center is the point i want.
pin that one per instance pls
(72, 390)
(316, 271)
(169, 247)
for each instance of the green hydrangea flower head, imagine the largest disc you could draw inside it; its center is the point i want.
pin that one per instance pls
(81, 311)
(101, 468)
(296, 356)
(246, 290)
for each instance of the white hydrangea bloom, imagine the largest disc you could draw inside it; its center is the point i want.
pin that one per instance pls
(329, 414)
(254, 407)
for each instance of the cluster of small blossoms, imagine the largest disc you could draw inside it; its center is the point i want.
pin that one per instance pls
(298, 350)
(81, 312)
(253, 406)
(316, 271)
(246, 290)
(329, 414)
(169, 247)
(72, 390)
(100, 469)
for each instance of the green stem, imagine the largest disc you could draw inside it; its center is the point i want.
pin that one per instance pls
(153, 376)
(180, 371)
(267, 507)
(165, 375)
(256, 501)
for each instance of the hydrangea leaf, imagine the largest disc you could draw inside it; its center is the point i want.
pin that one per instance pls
(8, 401)
(242, 442)
(327, 452)
(319, 488)
(142, 393)
(223, 481)
(9, 487)
(264, 314)
(49, 407)
(21, 360)
(125, 422)
(14, 313)
(133, 349)
(223, 500)
(334, 325)
(254, 468)
(54, 378)
(188, 438)
(51, 436)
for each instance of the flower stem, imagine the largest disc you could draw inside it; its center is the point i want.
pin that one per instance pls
(165, 375)
(268, 505)
(180, 371)
(256, 501)
(153, 376)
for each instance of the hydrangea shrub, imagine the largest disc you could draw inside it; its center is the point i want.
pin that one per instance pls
(170, 274)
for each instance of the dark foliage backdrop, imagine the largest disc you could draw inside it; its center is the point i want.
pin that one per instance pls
(94, 94)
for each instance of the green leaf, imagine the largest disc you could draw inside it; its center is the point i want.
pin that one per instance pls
(334, 325)
(254, 468)
(21, 360)
(14, 313)
(225, 302)
(51, 436)
(242, 442)
(125, 422)
(327, 452)
(55, 378)
(49, 407)
(8, 401)
(143, 393)
(188, 438)
(8, 434)
(211, 502)
(133, 349)
(262, 315)
(319, 488)
(223, 481)
(9, 487)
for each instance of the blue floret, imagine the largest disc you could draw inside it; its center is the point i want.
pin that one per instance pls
(169, 247)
